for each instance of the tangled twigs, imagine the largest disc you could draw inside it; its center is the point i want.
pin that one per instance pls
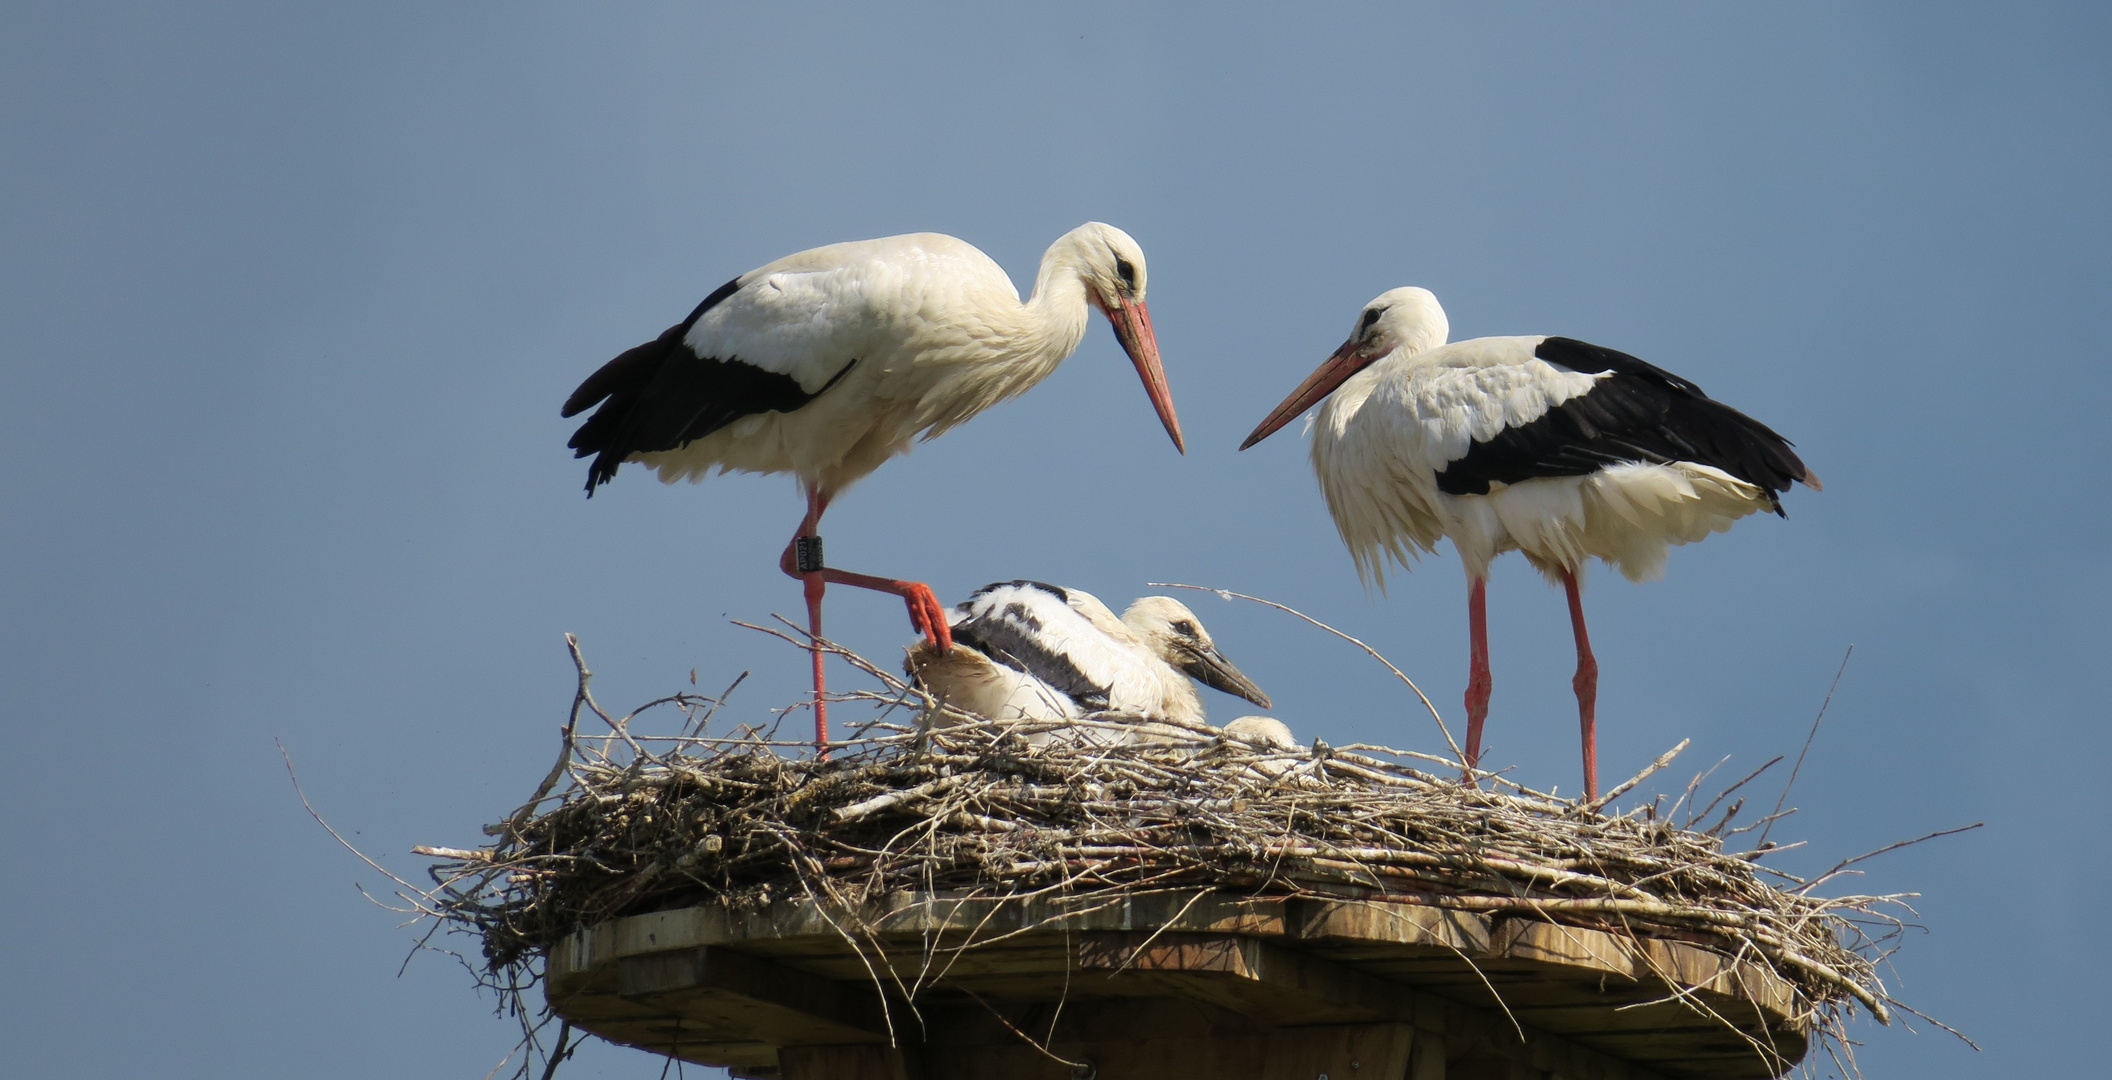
(1095, 811)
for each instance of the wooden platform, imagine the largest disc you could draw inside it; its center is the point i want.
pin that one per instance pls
(1169, 988)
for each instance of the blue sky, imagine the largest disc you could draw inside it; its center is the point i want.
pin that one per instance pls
(289, 298)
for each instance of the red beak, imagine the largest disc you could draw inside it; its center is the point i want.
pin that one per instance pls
(1322, 382)
(1132, 322)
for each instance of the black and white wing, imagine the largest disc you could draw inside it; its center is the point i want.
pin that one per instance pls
(1633, 411)
(771, 340)
(1031, 627)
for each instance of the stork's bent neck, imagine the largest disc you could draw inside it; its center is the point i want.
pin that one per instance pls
(1058, 312)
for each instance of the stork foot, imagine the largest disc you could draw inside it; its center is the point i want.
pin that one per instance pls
(927, 614)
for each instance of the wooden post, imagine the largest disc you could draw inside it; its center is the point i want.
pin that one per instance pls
(857, 1061)
(1428, 1060)
(1339, 1052)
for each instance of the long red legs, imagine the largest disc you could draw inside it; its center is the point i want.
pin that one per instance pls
(816, 584)
(926, 614)
(1586, 684)
(1478, 681)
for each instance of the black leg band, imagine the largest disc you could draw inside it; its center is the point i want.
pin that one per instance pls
(806, 554)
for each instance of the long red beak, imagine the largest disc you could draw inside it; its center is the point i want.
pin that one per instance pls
(1132, 321)
(1319, 384)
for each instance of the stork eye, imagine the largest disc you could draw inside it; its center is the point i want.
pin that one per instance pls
(1128, 272)
(1184, 628)
(1371, 315)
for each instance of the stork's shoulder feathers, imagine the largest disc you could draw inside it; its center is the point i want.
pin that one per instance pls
(1396, 424)
(778, 337)
(1383, 440)
(1068, 639)
(1033, 627)
(808, 314)
(1433, 405)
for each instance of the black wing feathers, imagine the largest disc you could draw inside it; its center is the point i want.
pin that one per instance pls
(1011, 634)
(662, 395)
(624, 371)
(1640, 412)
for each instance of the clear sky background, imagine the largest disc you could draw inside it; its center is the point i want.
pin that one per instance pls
(289, 296)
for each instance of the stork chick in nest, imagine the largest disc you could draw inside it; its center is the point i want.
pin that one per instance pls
(1024, 650)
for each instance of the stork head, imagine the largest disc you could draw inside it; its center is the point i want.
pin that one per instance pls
(1111, 265)
(1406, 318)
(1266, 730)
(1175, 635)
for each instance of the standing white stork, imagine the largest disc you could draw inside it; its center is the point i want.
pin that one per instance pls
(1027, 650)
(1556, 448)
(826, 363)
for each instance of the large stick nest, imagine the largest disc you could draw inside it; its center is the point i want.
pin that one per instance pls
(1011, 809)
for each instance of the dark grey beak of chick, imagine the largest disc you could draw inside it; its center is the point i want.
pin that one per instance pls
(1208, 666)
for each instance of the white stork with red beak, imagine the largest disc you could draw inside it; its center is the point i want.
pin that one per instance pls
(1549, 446)
(826, 363)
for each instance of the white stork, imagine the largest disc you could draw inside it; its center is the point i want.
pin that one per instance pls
(1030, 651)
(826, 363)
(1266, 731)
(1556, 448)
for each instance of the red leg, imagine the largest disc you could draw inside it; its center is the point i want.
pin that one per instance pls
(816, 583)
(925, 611)
(926, 614)
(1586, 684)
(1479, 682)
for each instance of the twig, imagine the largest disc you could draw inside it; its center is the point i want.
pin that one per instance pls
(1846, 863)
(1725, 793)
(1621, 788)
(697, 728)
(1814, 733)
(564, 754)
(1024, 1037)
(1925, 1016)
(335, 835)
(453, 853)
(894, 798)
(558, 1052)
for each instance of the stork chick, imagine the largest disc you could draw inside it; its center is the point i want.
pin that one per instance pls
(1025, 650)
(1265, 731)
